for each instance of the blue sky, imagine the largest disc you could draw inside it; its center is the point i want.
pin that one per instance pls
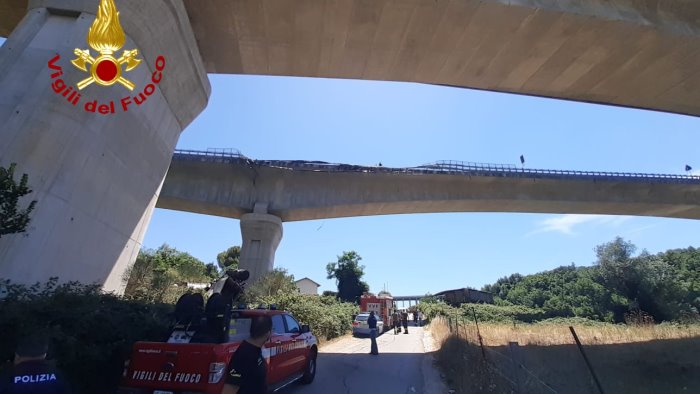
(403, 124)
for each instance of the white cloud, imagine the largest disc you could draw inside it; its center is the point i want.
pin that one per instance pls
(640, 229)
(565, 223)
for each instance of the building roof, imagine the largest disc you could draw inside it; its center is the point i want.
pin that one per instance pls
(297, 281)
(462, 289)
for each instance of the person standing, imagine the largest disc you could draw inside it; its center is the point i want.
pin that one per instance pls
(415, 317)
(396, 321)
(31, 373)
(404, 321)
(248, 368)
(372, 324)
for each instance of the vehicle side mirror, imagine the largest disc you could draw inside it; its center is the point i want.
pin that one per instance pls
(305, 328)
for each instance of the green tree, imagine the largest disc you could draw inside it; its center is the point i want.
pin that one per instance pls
(156, 273)
(685, 264)
(270, 284)
(212, 271)
(348, 273)
(617, 266)
(12, 218)
(666, 285)
(229, 258)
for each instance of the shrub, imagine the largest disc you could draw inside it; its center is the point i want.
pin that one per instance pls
(91, 332)
(327, 317)
(502, 314)
(484, 312)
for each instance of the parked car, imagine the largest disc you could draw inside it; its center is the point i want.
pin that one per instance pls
(359, 326)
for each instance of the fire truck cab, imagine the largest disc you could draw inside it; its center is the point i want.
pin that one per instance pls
(193, 362)
(382, 305)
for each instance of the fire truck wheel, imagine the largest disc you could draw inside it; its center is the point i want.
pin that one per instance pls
(310, 372)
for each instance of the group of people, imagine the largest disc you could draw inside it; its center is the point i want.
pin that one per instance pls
(401, 319)
(398, 320)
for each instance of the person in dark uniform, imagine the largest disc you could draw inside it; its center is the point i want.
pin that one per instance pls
(396, 321)
(404, 321)
(248, 368)
(372, 324)
(31, 372)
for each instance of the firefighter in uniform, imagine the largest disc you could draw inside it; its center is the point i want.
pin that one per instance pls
(396, 320)
(404, 321)
(31, 372)
(248, 368)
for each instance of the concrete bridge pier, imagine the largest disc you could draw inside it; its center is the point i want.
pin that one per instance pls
(95, 169)
(261, 233)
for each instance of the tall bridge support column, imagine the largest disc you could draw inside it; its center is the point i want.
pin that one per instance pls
(95, 171)
(261, 234)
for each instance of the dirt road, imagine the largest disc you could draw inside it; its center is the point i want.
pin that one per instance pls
(403, 366)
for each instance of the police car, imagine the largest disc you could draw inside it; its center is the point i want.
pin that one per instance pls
(195, 359)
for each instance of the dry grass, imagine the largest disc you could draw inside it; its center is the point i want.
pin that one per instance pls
(628, 359)
(461, 364)
(552, 334)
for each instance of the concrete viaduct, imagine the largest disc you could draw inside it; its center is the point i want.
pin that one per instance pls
(263, 194)
(97, 175)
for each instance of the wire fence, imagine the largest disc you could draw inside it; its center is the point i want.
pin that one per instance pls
(522, 372)
(441, 167)
(525, 368)
(509, 367)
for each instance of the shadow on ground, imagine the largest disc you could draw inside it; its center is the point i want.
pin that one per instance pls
(662, 366)
(387, 373)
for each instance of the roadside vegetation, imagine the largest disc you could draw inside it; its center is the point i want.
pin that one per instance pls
(627, 358)
(328, 316)
(92, 332)
(162, 275)
(636, 316)
(618, 287)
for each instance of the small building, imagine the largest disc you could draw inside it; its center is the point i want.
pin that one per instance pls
(465, 295)
(307, 286)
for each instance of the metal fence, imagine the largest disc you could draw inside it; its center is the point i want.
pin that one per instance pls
(440, 167)
(518, 371)
(509, 367)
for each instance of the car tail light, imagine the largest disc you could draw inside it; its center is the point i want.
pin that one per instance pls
(126, 368)
(216, 371)
(355, 323)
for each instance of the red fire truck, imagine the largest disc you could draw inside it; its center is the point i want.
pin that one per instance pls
(185, 365)
(382, 305)
(195, 358)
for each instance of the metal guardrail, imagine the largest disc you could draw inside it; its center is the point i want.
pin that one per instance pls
(440, 167)
(213, 152)
(460, 166)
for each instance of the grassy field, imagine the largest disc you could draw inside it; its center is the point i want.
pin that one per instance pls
(627, 359)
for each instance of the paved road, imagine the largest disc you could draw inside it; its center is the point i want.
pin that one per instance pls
(402, 367)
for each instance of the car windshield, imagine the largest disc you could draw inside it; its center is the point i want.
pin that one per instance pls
(361, 317)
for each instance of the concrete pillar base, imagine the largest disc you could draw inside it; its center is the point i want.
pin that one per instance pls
(95, 167)
(261, 234)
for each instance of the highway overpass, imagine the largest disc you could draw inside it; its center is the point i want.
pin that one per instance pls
(230, 185)
(265, 193)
